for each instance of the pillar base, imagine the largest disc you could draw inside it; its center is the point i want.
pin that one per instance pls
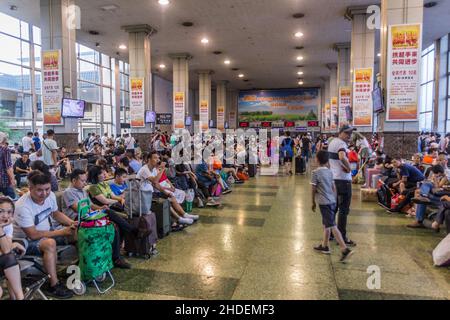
(144, 140)
(67, 140)
(400, 144)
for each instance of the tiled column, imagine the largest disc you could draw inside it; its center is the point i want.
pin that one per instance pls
(204, 97)
(221, 104)
(333, 88)
(181, 77)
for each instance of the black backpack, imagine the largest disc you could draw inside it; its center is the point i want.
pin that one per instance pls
(384, 195)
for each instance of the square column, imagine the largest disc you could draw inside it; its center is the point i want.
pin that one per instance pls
(221, 104)
(204, 98)
(180, 88)
(232, 108)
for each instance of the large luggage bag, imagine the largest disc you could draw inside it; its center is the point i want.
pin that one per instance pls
(252, 170)
(300, 165)
(161, 208)
(142, 218)
(384, 195)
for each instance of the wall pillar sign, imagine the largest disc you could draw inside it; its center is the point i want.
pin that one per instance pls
(137, 103)
(179, 110)
(345, 105)
(52, 87)
(221, 117)
(334, 114)
(362, 97)
(204, 115)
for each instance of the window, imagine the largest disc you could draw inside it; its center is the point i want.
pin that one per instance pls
(124, 92)
(448, 89)
(426, 104)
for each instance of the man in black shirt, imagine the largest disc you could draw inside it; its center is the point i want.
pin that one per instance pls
(22, 167)
(306, 147)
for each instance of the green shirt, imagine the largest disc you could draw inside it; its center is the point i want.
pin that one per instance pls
(101, 188)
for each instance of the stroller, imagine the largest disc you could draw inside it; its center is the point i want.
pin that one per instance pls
(95, 235)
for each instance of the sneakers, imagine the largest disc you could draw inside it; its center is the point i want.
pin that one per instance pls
(347, 253)
(416, 225)
(421, 200)
(192, 216)
(187, 221)
(350, 243)
(321, 249)
(238, 182)
(121, 263)
(227, 191)
(58, 291)
(212, 203)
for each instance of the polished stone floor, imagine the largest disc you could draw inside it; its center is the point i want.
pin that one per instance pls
(259, 246)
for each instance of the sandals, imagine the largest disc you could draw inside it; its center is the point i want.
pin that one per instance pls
(177, 227)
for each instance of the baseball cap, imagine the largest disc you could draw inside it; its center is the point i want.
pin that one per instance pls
(346, 128)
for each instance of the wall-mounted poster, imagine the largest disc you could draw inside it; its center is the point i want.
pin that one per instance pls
(323, 118)
(52, 87)
(279, 105)
(327, 117)
(345, 106)
(404, 54)
(221, 117)
(362, 97)
(334, 114)
(232, 120)
(204, 115)
(137, 103)
(164, 118)
(179, 110)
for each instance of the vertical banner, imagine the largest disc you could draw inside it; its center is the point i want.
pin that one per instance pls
(179, 110)
(327, 117)
(323, 118)
(345, 106)
(220, 117)
(52, 87)
(137, 103)
(334, 114)
(362, 97)
(233, 119)
(404, 54)
(204, 115)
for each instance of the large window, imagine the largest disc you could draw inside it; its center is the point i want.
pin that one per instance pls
(448, 88)
(427, 85)
(124, 69)
(20, 84)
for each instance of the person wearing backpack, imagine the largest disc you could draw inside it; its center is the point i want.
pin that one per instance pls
(287, 147)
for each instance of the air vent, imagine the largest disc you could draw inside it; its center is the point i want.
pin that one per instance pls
(431, 4)
(217, 52)
(187, 24)
(300, 66)
(298, 15)
(94, 33)
(299, 48)
(111, 7)
(235, 69)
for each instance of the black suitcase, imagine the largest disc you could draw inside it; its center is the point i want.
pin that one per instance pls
(300, 165)
(161, 208)
(384, 195)
(252, 170)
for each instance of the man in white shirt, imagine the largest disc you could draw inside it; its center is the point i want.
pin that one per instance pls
(50, 149)
(32, 221)
(342, 176)
(105, 140)
(129, 142)
(27, 142)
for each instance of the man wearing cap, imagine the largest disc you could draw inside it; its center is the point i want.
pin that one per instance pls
(340, 166)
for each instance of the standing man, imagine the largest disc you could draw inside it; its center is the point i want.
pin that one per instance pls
(340, 166)
(50, 149)
(105, 140)
(7, 180)
(37, 142)
(129, 142)
(27, 142)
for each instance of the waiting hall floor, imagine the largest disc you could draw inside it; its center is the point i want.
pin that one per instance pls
(260, 246)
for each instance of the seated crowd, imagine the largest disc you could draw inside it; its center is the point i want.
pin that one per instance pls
(112, 164)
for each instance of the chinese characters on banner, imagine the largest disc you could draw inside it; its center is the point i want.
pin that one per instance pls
(204, 115)
(232, 120)
(179, 110)
(137, 103)
(52, 90)
(362, 97)
(345, 106)
(334, 114)
(327, 117)
(405, 47)
(220, 117)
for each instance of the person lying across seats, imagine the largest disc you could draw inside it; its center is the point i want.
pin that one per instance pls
(9, 267)
(151, 174)
(32, 222)
(76, 192)
(430, 193)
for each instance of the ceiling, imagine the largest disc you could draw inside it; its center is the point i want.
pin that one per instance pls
(256, 35)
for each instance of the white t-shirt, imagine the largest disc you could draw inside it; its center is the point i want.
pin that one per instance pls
(34, 157)
(27, 143)
(8, 230)
(363, 143)
(28, 214)
(48, 145)
(145, 173)
(129, 143)
(104, 141)
(336, 166)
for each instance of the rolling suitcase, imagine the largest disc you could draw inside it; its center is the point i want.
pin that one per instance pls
(144, 221)
(252, 170)
(161, 208)
(300, 165)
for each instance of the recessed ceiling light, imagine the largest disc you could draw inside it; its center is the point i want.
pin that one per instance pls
(430, 4)
(84, 90)
(300, 73)
(299, 48)
(217, 52)
(298, 15)
(298, 34)
(163, 2)
(187, 24)
(111, 7)
(379, 55)
(299, 58)
(301, 82)
(162, 66)
(205, 40)
(122, 47)
(241, 75)
(227, 62)
(13, 8)
(94, 33)
(235, 69)
(97, 45)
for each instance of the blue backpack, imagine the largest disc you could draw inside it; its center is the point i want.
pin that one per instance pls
(287, 148)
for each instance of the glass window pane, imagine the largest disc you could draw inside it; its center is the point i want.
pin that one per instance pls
(26, 79)
(106, 96)
(9, 25)
(26, 54)
(89, 92)
(89, 54)
(121, 69)
(89, 72)
(37, 56)
(430, 71)
(106, 61)
(428, 120)
(37, 77)
(424, 66)
(10, 51)
(422, 123)
(37, 35)
(10, 76)
(423, 98)
(107, 114)
(15, 105)
(25, 34)
(106, 77)
(430, 87)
